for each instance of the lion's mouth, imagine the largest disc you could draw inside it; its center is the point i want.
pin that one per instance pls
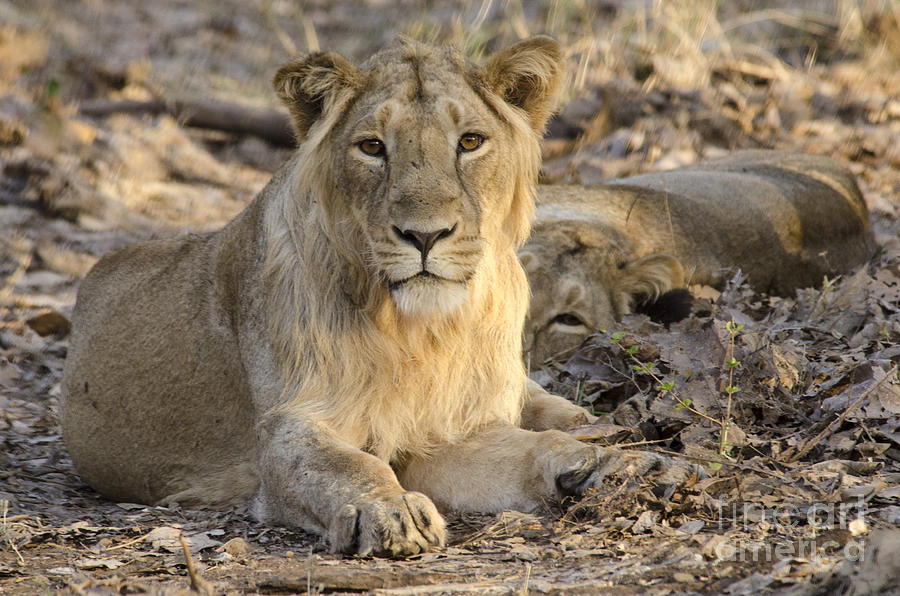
(421, 275)
(428, 294)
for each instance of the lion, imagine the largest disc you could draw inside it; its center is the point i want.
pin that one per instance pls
(786, 220)
(345, 355)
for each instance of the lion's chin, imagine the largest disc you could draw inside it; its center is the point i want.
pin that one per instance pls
(427, 297)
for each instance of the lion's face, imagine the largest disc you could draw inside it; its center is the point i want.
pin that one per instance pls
(584, 278)
(430, 161)
(571, 270)
(422, 155)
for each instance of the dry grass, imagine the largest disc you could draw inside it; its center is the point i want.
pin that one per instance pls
(686, 44)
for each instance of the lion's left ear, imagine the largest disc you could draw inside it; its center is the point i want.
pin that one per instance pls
(528, 76)
(311, 85)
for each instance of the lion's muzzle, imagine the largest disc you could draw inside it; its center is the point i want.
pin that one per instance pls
(431, 287)
(423, 241)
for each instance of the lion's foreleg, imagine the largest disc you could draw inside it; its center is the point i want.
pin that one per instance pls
(504, 467)
(501, 467)
(545, 411)
(312, 479)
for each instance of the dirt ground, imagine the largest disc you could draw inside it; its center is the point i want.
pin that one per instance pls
(805, 499)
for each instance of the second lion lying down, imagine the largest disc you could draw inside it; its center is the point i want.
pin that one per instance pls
(787, 220)
(346, 353)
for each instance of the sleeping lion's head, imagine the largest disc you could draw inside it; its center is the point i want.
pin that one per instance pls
(584, 277)
(422, 163)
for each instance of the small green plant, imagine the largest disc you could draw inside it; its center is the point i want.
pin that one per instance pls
(49, 101)
(730, 389)
(581, 396)
(667, 387)
(52, 89)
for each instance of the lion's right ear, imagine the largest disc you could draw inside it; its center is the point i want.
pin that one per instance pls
(528, 76)
(312, 85)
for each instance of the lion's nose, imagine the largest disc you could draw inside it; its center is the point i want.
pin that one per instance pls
(423, 241)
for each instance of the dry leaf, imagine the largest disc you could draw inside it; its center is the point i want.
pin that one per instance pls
(50, 323)
(99, 564)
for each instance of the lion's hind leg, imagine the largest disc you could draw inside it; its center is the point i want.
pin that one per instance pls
(227, 486)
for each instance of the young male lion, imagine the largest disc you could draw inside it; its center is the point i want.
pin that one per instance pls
(354, 336)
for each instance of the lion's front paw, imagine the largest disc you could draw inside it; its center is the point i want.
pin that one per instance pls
(596, 466)
(619, 463)
(396, 526)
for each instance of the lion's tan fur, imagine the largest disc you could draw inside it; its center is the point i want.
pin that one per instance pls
(350, 335)
(387, 367)
(786, 220)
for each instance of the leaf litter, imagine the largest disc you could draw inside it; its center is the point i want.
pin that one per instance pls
(805, 496)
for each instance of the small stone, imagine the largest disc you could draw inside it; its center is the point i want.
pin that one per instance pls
(858, 526)
(236, 547)
(644, 522)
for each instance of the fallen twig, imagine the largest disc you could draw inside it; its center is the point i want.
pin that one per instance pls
(810, 443)
(198, 584)
(271, 125)
(128, 543)
(337, 579)
(4, 507)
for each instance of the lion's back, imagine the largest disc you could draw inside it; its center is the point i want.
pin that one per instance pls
(785, 219)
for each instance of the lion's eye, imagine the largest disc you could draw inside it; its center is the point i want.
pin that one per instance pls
(470, 141)
(374, 147)
(568, 319)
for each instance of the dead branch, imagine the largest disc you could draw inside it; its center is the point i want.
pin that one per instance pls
(336, 579)
(270, 125)
(810, 443)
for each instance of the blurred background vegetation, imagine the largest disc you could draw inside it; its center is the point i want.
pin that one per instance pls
(221, 47)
